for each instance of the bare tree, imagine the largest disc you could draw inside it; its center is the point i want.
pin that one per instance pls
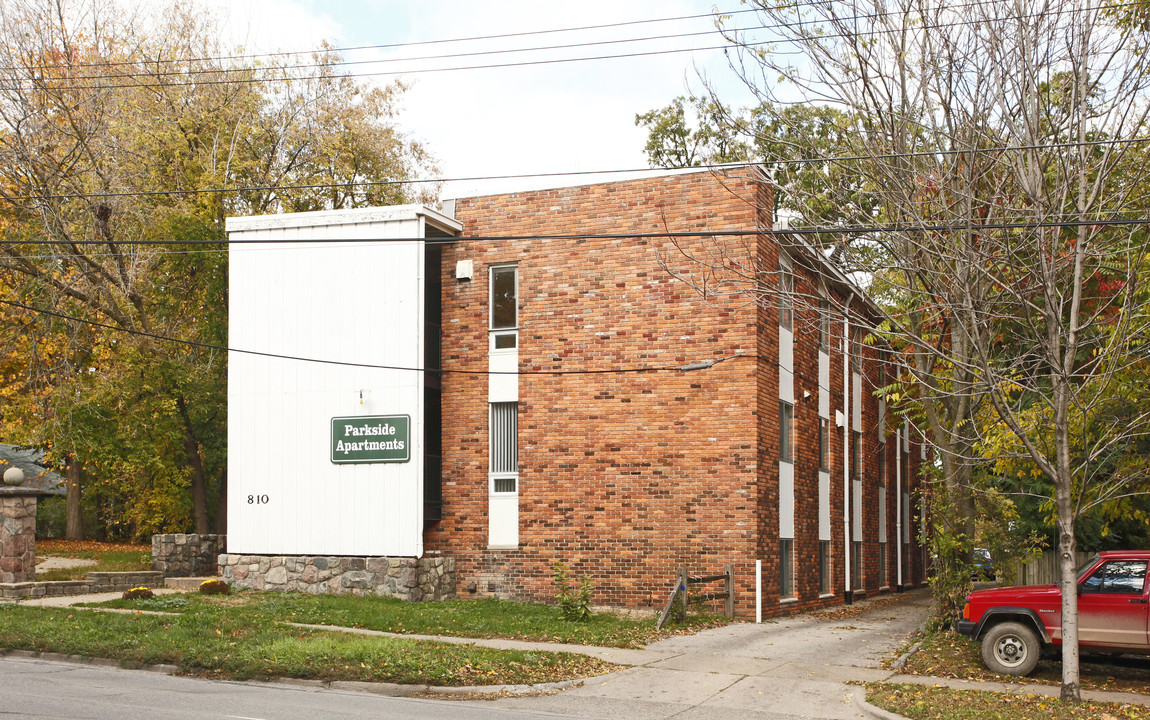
(1001, 147)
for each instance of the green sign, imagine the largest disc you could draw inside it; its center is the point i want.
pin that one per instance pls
(371, 439)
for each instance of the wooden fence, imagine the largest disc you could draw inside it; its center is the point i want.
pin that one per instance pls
(1043, 570)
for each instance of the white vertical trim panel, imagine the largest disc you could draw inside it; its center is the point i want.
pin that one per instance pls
(786, 500)
(824, 506)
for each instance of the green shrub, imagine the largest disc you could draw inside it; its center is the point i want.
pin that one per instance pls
(574, 602)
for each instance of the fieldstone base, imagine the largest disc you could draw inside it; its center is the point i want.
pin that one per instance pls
(415, 579)
(17, 534)
(94, 582)
(187, 554)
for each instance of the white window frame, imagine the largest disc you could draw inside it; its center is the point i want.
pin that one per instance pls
(786, 293)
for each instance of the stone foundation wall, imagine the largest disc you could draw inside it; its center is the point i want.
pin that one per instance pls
(94, 582)
(187, 555)
(415, 579)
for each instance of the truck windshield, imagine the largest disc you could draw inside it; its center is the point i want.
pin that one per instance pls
(1086, 566)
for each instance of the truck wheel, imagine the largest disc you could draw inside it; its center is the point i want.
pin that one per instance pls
(1011, 648)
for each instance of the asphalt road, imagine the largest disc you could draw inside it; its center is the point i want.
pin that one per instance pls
(41, 690)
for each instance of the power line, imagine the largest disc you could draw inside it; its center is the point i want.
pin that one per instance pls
(391, 46)
(732, 43)
(705, 364)
(952, 227)
(576, 173)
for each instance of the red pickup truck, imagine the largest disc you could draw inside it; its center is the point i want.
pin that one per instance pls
(1015, 624)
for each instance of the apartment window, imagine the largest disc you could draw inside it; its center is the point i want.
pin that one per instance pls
(824, 566)
(857, 355)
(856, 455)
(857, 566)
(824, 326)
(786, 568)
(786, 432)
(505, 447)
(882, 467)
(882, 564)
(504, 307)
(786, 295)
(824, 444)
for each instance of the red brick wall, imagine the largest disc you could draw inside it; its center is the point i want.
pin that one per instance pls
(627, 476)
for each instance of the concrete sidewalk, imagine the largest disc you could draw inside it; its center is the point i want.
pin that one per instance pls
(808, 666)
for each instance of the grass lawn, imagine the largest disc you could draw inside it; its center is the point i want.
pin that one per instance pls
(938, 703)
(225, 641)
(109, 557)
(481, 618)
(952, 655)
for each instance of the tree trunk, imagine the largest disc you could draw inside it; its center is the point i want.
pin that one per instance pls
(199, 482)
(73, 516)
(222, 505)
(1071, 677)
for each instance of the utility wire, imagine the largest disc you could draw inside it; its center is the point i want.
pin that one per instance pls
(731, 43)
(843, 159)
(392, 46)
(705, 364)
(670, 235)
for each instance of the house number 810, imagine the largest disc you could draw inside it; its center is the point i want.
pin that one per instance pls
(257, 499)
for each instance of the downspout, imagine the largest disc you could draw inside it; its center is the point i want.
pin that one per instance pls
(898, 503)
(847, 449)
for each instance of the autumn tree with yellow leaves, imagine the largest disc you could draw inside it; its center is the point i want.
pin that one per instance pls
(126, 138)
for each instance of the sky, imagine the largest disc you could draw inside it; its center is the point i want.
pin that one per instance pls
(539, 118)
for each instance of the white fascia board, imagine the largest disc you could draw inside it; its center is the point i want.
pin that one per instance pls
(328, 218)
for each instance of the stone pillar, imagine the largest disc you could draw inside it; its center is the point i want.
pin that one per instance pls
(18, 534)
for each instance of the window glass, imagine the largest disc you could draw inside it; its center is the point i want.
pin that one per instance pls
(824, 566)
(856, 455)
(856, 566)
(1117, 577)
(504, 297)
(786, 568)
(786, 296)
(824, 326)
(504, 439)
(824, 444)
(786, 432)
(857, 350)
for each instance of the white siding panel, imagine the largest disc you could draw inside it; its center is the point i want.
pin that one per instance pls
(357, 303)
(824, 370)
(824, 506)
(856, 510)
(786, 350)
(786, 500)
(906, 517)
(882, 514)
(503, 388)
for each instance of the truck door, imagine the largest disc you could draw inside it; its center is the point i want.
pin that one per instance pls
(1112, 607)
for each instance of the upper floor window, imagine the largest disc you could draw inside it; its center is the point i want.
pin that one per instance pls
(786, 432)
(504, 307)
(786, 294)
(824, 326)
(857, 350)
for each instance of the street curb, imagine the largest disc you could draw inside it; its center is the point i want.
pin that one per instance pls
(902, 660)
(873, 712)
(377, 688)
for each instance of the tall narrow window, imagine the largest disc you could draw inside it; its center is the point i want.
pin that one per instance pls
(857, 355)
(786, 432)
(504, 447)
(824, 326)
(786, 295)
(824, 566)
(786, 568)
(856, 456)
(504, 307)
(824, 444)
(857, 566)
(882, 564)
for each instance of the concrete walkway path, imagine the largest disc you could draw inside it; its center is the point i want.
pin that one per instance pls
(807, 666)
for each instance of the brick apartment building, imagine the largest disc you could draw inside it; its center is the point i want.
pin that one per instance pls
(593, 407)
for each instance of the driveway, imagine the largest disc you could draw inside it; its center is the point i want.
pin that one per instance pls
(794, 667)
